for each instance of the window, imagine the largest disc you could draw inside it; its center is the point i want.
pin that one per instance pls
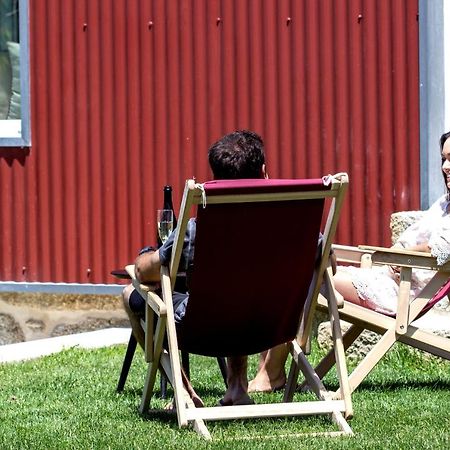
(14, 74)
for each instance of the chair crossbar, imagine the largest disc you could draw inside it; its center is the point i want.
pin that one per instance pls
(266, 410)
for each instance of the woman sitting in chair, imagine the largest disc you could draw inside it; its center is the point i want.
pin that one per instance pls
(377, 288)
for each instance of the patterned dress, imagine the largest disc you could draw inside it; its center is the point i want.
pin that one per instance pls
(377, 287)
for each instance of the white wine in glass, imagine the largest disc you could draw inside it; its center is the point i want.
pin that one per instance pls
(165, 223)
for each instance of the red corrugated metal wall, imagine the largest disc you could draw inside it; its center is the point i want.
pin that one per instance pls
(128, 94)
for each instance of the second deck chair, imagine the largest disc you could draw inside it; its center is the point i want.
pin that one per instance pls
(400, 327)
(255, 253)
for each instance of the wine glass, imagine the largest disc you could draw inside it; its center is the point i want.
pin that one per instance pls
(165, 223)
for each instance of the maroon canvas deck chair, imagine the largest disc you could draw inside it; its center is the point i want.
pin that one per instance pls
(255, 254)
(401, 326)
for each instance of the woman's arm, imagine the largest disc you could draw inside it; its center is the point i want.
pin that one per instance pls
(424, 247)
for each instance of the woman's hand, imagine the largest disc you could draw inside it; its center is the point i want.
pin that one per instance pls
(420, 248)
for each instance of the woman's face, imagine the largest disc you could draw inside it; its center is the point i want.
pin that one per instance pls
(446, 160)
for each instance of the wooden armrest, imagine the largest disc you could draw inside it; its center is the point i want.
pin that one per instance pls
(401, 257)
(352, 255)
(147, 292)
(393, 250)
(130, 270)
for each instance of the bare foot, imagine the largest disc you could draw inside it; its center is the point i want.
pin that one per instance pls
(170, 407)
(262, 383)
(244, 400)
(198, 402)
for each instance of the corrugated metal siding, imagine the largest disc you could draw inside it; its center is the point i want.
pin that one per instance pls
(128, 94)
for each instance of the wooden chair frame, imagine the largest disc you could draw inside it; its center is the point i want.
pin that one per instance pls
(169, 362)
(400, 328)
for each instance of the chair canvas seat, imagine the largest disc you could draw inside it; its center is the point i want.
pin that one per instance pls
(401, 326)
(255, 256)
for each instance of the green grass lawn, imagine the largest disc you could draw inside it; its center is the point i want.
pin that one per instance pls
(69, 401)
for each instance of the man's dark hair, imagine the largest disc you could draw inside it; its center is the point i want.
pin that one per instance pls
(239, 154)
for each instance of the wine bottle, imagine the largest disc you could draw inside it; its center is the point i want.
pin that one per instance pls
(167, 204)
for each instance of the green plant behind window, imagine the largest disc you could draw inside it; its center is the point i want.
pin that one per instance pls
(9, 32)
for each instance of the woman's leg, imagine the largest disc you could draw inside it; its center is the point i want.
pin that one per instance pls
(343, 284)
(271, 374)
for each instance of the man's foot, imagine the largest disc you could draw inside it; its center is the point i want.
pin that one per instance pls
(244, 400)
(170, 407)
(198, 402)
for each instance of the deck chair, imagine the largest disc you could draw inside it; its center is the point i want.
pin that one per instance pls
(255, 253)
(400, 327)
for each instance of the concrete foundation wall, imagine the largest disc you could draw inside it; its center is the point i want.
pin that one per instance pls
(29, 316)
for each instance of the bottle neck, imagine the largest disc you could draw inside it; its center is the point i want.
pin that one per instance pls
(168, 197)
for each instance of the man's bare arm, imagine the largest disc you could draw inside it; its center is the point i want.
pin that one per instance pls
(147, 267)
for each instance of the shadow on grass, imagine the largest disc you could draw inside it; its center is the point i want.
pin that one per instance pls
(393, 385)
(389, 385)
(201, 391)
(161, 415)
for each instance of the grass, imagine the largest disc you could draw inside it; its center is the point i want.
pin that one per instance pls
(68, 401)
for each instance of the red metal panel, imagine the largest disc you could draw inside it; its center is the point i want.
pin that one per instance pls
(128, 94)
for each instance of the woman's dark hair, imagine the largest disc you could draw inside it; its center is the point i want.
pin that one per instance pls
(444, 137)
(239, 154)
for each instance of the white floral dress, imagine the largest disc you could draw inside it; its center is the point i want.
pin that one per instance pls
(377, 287)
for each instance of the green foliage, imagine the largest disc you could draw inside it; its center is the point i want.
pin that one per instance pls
(68, 401)
(9, 22)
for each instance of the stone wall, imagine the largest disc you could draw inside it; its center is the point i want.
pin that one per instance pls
(400, 221)
(27, 316)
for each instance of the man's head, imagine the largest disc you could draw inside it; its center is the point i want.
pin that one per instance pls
(239, 154)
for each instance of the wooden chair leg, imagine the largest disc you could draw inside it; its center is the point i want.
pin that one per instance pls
(127, 362)
(186, 368)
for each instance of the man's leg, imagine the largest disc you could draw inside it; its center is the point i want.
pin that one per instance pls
(135, 308)
(236, 393)
(271, 373)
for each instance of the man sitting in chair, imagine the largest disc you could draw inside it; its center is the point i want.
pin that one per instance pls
(237, 155)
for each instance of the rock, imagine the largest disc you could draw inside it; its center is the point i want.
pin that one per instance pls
(35, 325)
(400, 221)
(10, 331)
(357, 350)
(89, 324)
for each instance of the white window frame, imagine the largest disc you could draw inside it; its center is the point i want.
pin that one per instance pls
(17, 133)
(447, 65)
(434, 66)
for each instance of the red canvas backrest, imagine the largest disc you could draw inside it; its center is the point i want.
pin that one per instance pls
(252, 267)
(440, 294)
